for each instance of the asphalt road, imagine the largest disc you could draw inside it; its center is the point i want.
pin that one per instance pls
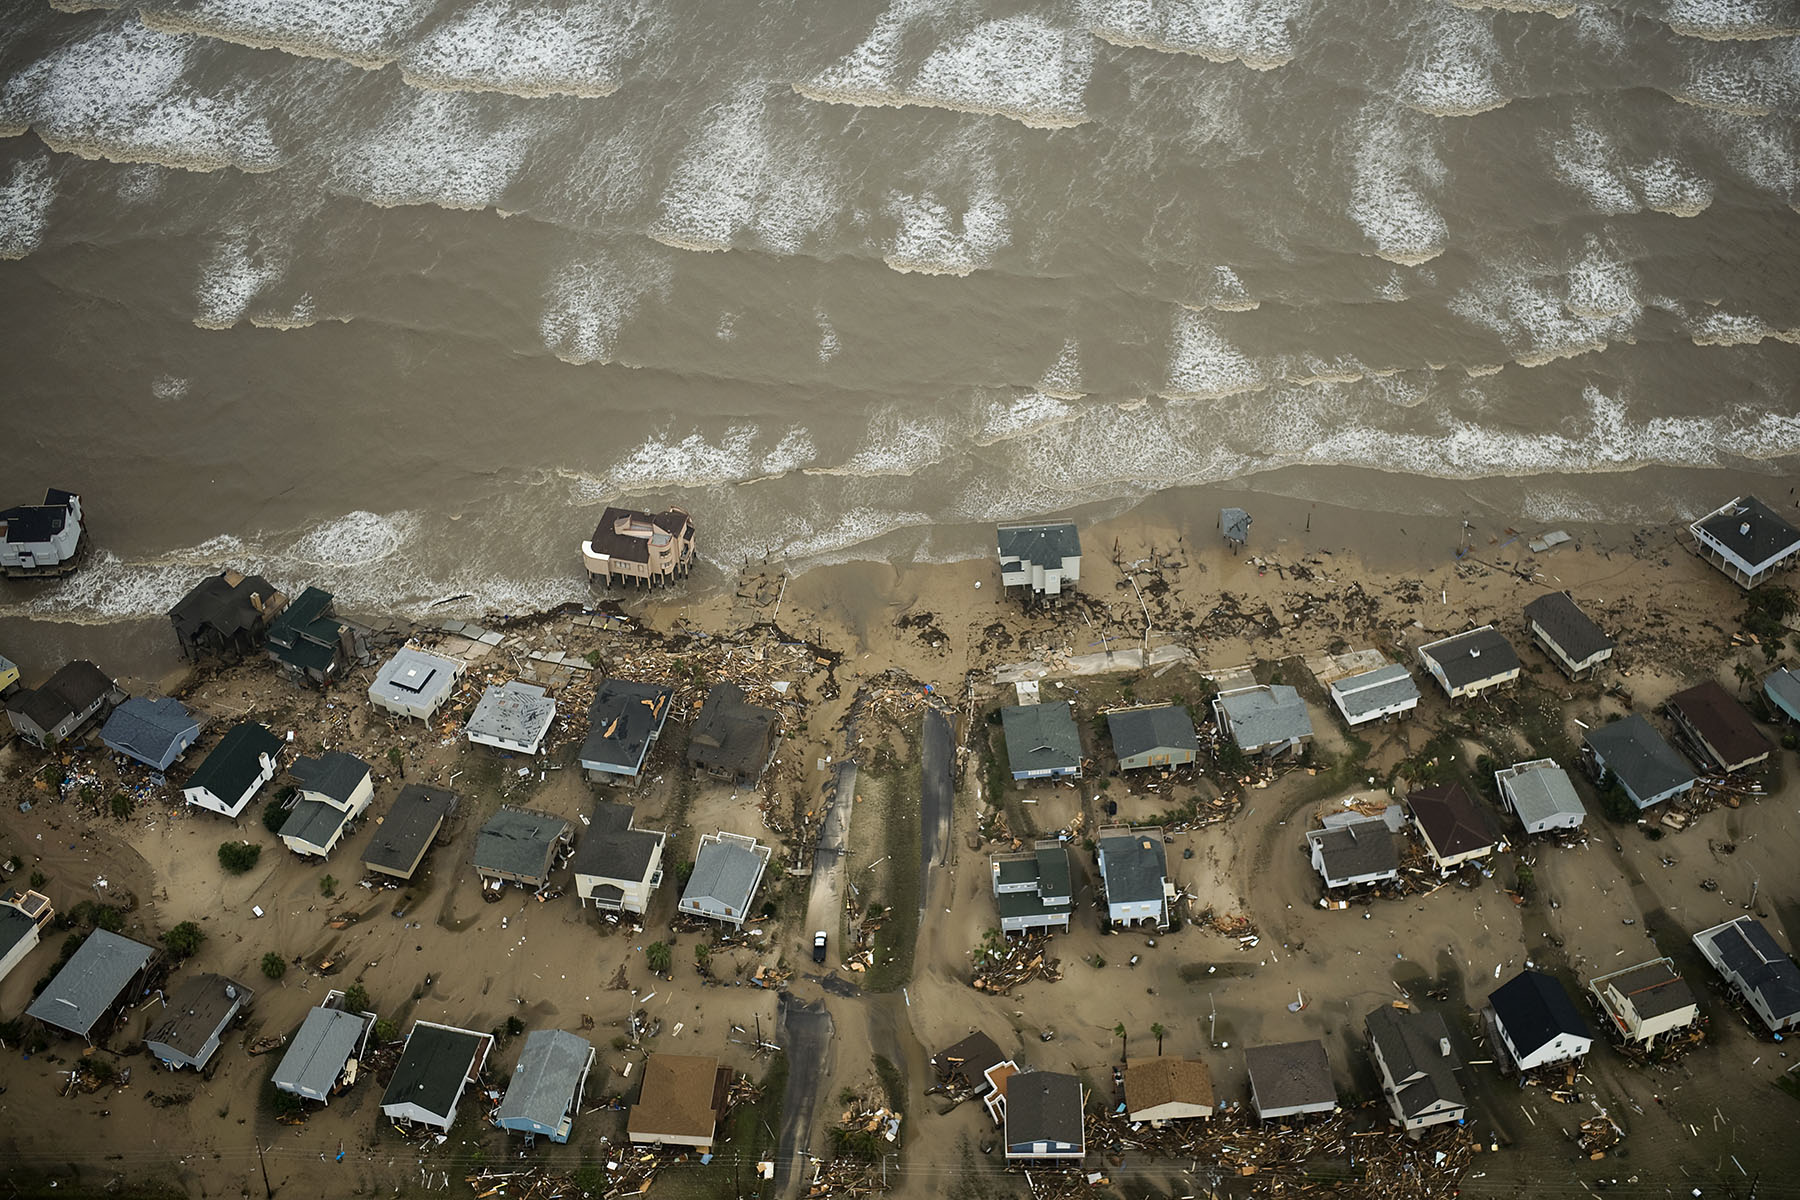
(805, 1034)
(937, 755)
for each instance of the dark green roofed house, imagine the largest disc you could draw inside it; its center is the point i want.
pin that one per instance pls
(439, 1061)
(1042, 740)
(229, 777)
(1032, 888)
(1162, 736)
(306, 641)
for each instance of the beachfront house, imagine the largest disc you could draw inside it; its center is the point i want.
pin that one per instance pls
(547, 1085)
(728, 868)
(732, 739)
(1717, 728)
(520, 845)
(1234, 523)
(335, 789)
(1159, 735)
(1569, 636)
(411, 825)
(624, 721)
(639, 547)
(1631, 753)
(437, 1063)
(1168, 1089)
(323, 1056)
(965, 1065)
(1032, 888)
(1265, 719)
(1134, 874)
(1044, 1117)
(1042, 741)
(512, 716)
(152, 730)
(1745, 540)
(49, 715)
(1290, 1079)
(9, 675)
(1782, 688)
(22, 920)
(99, 978)
(1540, 795)
(680, 1102)
(1417, 1067)
(229, 777)
(194, 1020)
(306, 641)
(1042, 561)
(1471, 663)
(1748, 957)
(1376, 695)
(414, 683)
(41, 539)
(1353, 852)
(225, 616)
(1536, 1022)
(1456, 829)
(617, 865)
(1646, 1001)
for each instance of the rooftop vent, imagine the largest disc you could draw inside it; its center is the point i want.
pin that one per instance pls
(1744, 529)
(1444, 1047)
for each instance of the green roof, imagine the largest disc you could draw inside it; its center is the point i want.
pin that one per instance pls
(235, 761)
(1029, 904)
(308, 655)
(1053, 871)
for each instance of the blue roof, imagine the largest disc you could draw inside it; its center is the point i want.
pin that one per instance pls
(1783, 690)
(153, 731)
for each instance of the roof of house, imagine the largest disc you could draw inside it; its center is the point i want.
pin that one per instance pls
(1041, 737)
(1356, 848)
(1414, 1043)
(622, 720)
(1151, 1082)
(409, 826)
(1653, 988)
(1783, 686)
(227, 602)
(730, 734)
(1266, 715)
(677, 1098)
(1541, 790)
(1535, 1009)
(1563, 622)
(15, 927)
(324, 1043)
(1290, 1075)
(609, 541)
(1750, 529)
(968, 1060)
(1451, 819)
(90, 982)
(236, 761)
(1721, 721)
(196, 1012)
(1133, 865)
(434, 1066)
(414, 675)
(1639, 756)
(612, 849)
(512, 712)
(519, 841)
(726, 871)
(1473, 656)
(544, 1083)
(1377, 689)
(37, 522)
(1235, 523)
(146, 727)
(333, 773)
(76, 687)
(1757, 959)
(1043, 1106)
(305, 616)
(1040, 545)
(1141, 730)
(315, 822)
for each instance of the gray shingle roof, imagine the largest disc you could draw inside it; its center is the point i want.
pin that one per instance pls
(1140, 730)
(1473, 656)
(1767, 537)
(1756, 958)
(1041, 737)
(730, 734)
(90, 982)
(1356, 848)
(334, 774)
(1557, 614)
(414, 677)
(513, 712)
(1134, 866)
(611, 848)
(147, 728)
(316, 1056)
(1639, 756)
(1374, 690)
(1290, 1075)
(622, 721)
(1043, 1106)
(1041, 545)
(197, 1011)
(1265, 715)
(409, 826)
(1783, 687)
(543, 1084)
(1722, 721)
(314, 822)
(725, 872)
(1541, 790)
(1414, 1043)
(519, 841)
(1653, 988)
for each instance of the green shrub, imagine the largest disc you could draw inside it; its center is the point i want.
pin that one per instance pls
(273, 965)
(39, 879)
(356, 999)
(184, 940)
(386, 1031)
(328, 886)
(274, 817)
(238, 857)
(121, 805)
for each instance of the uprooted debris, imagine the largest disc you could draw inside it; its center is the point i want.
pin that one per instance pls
(1002, 964)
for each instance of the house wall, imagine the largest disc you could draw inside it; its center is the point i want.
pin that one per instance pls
(412, 1112)
(299, 846)
(1375, 714)
(1291, 1110)
(1747, 574)
(1642, 1030)
(17, 954)
(1474, 688)
(359, 798)
(1047, 921)
(1318, 861)
(1161, 757)
(57, 548)
(1047, 581)
(232, 807)
(1174, 1110)
(1053, 772)
(1640, 801)
(1712, 751)
(1131, 913)
(1441, 1113)
(1043, 1150)
(1561, 1048)
(636, 891)
(672, 1139)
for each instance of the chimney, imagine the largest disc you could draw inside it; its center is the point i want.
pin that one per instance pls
(1475, 653)
(1744, 529)
(1444, 1047)
(256, 601)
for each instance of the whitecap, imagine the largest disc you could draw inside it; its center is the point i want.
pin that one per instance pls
(441, 148)
(1453, 66)
(1731, 20)
(1395, 168)
(591, 299)
(1669, 186)
(1227, 292)
(1602, 286)
(1257, 33)
(1587, 161)
(1063, 379)
(356, 539)
(1530, 307)
(1718, 328)
(365, 33)
(1003, 420)
(934, 239)
(897, 444)
(1204, 366)
(169, 387)
(531, 50)
(239, 268)
(25, 201)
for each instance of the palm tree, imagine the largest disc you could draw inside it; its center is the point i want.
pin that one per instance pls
(656, 957)
(1119, 1032)
(1745, 675)
(1157, 1032)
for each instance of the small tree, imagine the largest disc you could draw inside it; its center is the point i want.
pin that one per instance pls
(397, 760)
(1157, 1032)
(328, 887)
(121, 805)
(184, 940)
(702, 958)
(356, 999)
(238, 857)
(386, 1030)
(1119, 1032)
(273, 965)
(274, 817)
(657, 956)
(1746, 675)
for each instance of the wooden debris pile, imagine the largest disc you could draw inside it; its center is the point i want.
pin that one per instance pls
(845, 1177)
(1598, 1135)
(1004, 964)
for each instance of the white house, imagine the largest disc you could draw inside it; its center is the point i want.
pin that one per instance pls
(1471, 663)
(20, 921)
(1537, 1022)
(230, 777)
(1044, 1116)
(728, 868)
(414, 683)
(335, 789)
(1266, 719)
(1646, 1001)
(1541, 796)
(512, 716)
(1354, 852)
(41, 539)
(1568, 635)
(1135, 876)
(1417, 1066)
(1745, 540)
(439, 1061)
(1753, 963)
(1388, 691)
(1042, 559)
(617, 865)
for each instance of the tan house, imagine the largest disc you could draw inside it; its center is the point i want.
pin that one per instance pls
(1646, 1001)
(1168, 1089)
(639, 547)
(681, 1101)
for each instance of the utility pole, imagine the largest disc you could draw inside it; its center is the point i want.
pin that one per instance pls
(267, 1190)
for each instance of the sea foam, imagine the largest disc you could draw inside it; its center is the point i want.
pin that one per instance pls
(1731, 20)
(532, 50)
(932, 238)
(366, 33)
(25, 200)
(1204, 366)
(591, 299)
(440, 148)
(1395, 168)
(1453, 67)
(239, 268)
(1257, 33)
(1542, 316)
